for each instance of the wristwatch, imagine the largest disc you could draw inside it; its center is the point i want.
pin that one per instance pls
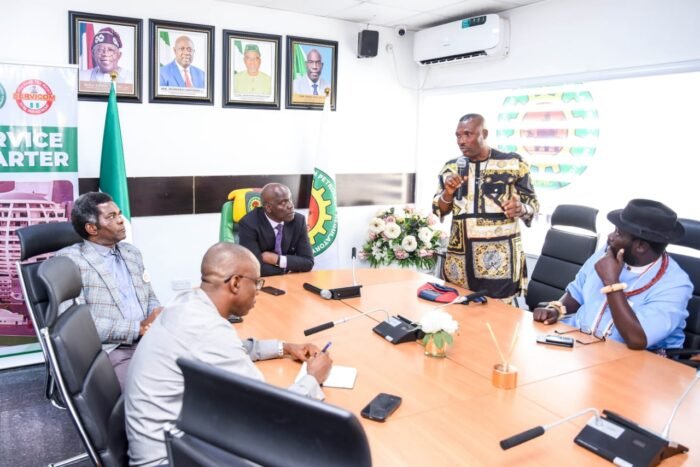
(280, 349)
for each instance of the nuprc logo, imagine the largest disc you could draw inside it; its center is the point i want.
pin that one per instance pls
(323, 220)
(3, 96)
(34, 96)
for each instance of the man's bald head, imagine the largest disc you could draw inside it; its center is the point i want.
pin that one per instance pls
(478, 118)
(277, 202)
(224, 259)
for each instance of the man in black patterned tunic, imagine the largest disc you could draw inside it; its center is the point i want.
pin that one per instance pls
(485, 250)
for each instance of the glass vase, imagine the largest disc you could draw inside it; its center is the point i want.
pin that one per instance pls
(432, 349)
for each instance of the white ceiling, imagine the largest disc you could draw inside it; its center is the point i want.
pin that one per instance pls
(414, 14)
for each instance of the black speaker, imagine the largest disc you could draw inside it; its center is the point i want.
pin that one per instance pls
(367, 43)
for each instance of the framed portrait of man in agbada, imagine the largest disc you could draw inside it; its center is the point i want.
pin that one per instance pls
(312, 73)
(182, 63)
(104, 46)
(251, 70)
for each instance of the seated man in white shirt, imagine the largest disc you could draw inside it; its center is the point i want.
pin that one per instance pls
(195, 326)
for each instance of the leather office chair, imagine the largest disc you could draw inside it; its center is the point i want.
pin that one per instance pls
(228, 419)
(240, 203)
(83, 372)
(691, 265)
(563, 253)
(38, 241)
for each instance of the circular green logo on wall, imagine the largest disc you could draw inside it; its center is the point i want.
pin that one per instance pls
(3, 96)
(323, 219)
(556, 132)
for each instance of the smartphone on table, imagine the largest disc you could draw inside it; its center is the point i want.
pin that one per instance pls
(381, 407)
(272, 290)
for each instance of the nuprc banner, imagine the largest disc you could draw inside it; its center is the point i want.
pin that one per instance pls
(38, 181)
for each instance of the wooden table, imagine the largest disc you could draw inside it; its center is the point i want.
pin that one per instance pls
(451, 414)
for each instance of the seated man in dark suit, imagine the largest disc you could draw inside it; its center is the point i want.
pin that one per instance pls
(276, 234)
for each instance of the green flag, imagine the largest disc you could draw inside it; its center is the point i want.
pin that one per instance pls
(299, 63)
(112, 169)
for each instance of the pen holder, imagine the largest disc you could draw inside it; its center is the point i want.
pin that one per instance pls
(503, 379)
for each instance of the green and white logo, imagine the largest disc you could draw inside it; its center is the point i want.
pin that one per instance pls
(323, 220)
(3, 96)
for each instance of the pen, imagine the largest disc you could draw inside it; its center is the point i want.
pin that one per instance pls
(326, 347)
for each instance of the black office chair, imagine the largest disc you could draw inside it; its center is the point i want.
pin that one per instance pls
(691, 265)
(563, 253)
(84, 375)
(37, 241)
(229, 419)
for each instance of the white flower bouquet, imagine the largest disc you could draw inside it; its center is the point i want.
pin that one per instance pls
(404, 236)
(439, 326)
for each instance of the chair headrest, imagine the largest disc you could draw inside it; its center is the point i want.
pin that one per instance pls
(573, 215)
(691, 238)
(40, 239)
(61, 277)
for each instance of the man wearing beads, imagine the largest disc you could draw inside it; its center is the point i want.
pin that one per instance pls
(485, 250)
(631, 291)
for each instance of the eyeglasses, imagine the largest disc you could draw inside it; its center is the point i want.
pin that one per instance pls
(314, 62)
(185, 49)
(597, 340)
(259, 283)
(106, 51)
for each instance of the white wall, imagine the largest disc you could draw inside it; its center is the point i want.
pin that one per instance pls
(573, 37)
(372, 131)
(567, 41)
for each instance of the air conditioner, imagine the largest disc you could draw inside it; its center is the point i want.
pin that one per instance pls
(465, 39)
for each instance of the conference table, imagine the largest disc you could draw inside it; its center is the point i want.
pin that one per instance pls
(451, 413)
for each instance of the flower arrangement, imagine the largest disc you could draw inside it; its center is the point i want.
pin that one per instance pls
(405, 236)
(438, 326)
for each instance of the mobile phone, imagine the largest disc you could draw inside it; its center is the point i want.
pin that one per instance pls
(551, 339)
(272, 290)
(381, 407)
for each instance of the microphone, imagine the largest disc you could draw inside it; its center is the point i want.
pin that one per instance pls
(462, 168)
(354, 256)
(537, 431)
(327, 294)
(330, 324)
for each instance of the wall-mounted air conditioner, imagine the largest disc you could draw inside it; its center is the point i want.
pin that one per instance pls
(465, 39)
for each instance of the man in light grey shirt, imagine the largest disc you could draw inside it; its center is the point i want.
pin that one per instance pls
(195, 326)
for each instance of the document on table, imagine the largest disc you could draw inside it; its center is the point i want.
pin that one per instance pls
(339, 377)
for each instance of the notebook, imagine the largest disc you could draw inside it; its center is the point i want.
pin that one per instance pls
(339, 377)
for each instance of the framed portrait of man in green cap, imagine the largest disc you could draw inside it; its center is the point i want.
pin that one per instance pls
(251, 70)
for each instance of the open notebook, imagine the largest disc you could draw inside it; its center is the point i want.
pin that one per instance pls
(339, 377)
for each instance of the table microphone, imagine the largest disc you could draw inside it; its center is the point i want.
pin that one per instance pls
(327, 294)
(354, 256)
(330, 324)
(537, 431)
(461, 171)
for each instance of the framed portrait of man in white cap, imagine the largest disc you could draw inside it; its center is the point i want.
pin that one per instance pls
(106, 49)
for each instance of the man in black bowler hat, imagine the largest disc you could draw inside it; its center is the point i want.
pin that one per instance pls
(631, 291)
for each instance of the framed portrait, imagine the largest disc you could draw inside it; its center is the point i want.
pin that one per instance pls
(182, 63)
(251, 70)
(312, 68)
(102, 46)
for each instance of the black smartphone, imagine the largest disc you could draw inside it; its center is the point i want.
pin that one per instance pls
(272, 290)
(551, 339)
(381, 407)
